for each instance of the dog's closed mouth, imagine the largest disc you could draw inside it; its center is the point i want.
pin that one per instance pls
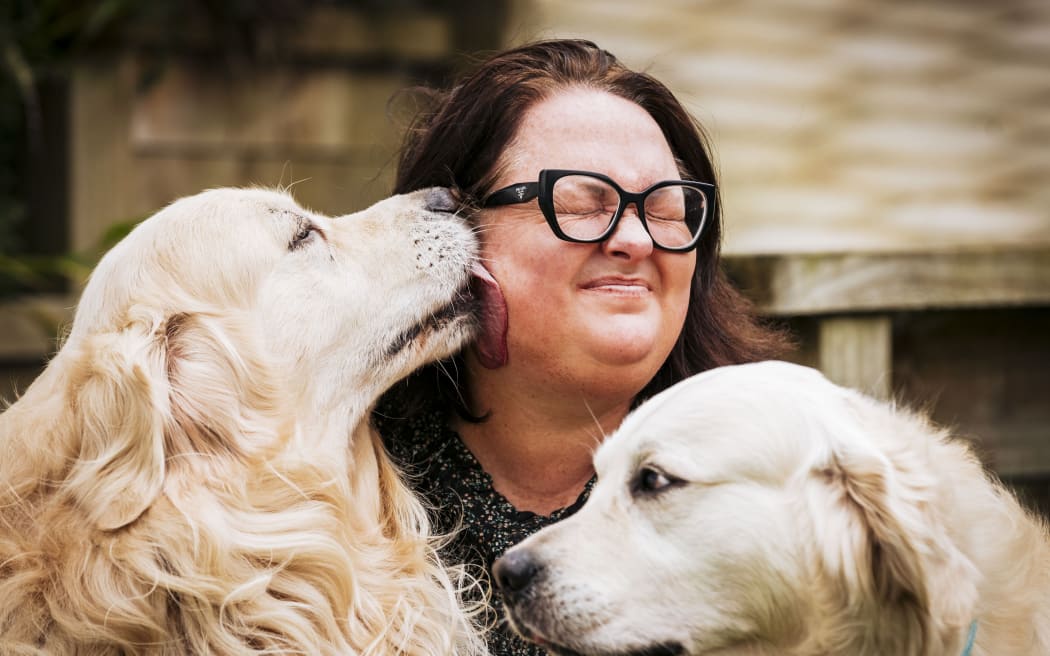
(463, 304)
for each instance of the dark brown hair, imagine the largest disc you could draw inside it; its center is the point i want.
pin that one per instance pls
(460, 141)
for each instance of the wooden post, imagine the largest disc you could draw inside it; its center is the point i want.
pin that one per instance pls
(857, 352)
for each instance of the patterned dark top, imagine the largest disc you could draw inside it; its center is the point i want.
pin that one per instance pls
(448, 477)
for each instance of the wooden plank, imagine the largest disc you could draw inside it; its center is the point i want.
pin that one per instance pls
(404, 33)
(101, 94)
(808, 284)
(279, 112)
(858, 352)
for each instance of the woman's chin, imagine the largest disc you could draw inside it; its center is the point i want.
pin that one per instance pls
(623, 352)
(627, 338)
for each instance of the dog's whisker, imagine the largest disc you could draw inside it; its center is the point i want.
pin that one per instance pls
(601, 436)
(481, 231)
(485, 262)
(454, 378)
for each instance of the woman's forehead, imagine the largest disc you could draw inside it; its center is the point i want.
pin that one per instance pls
(591, 130)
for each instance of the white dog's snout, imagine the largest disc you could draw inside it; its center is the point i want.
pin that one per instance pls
(515, 571)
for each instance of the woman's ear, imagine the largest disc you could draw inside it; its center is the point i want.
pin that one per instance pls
(119, 409)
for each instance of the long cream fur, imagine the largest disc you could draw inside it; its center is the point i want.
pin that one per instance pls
(194, 473)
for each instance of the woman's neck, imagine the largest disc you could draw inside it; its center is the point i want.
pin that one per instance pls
(537, 446)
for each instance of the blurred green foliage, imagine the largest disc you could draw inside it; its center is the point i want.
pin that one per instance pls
(22, 272)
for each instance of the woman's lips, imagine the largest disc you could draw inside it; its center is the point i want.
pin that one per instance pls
(617, 284)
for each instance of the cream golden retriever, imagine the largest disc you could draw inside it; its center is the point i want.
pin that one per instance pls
(760, 510)
(193, 473)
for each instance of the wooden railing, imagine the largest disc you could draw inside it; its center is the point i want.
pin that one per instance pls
(853, 296)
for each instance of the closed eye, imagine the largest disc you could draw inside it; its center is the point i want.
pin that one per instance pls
(305, 232)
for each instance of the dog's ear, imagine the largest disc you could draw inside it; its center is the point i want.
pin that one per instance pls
(119, 403)
(889, 554)
(224, 400)
(904, 553)
(162, 396)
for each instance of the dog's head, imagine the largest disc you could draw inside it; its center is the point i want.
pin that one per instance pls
(231, 309)
(752, 509)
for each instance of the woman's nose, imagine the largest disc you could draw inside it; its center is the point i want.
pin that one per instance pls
(630, 239)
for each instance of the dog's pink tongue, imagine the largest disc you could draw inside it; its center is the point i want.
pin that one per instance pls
(491, 343)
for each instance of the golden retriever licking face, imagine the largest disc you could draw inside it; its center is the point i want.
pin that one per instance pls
(193, 473)
(762, 510)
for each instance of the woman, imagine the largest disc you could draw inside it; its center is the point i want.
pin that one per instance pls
(598, 217)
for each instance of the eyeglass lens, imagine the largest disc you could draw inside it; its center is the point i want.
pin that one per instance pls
(584, 207)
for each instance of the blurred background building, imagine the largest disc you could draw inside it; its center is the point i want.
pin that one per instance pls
(885, 165)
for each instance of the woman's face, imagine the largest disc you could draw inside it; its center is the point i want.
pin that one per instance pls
(601, 317)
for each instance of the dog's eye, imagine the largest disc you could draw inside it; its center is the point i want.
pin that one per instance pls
(651, 480)
(303, 234)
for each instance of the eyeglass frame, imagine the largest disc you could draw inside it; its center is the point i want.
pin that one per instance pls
(543, 190)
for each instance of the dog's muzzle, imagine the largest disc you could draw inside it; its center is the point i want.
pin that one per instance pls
(520, 578)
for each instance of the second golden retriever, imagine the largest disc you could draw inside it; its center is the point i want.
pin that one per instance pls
(761, 510)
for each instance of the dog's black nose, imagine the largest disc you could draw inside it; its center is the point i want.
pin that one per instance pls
(514, 571)
(440, 199)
